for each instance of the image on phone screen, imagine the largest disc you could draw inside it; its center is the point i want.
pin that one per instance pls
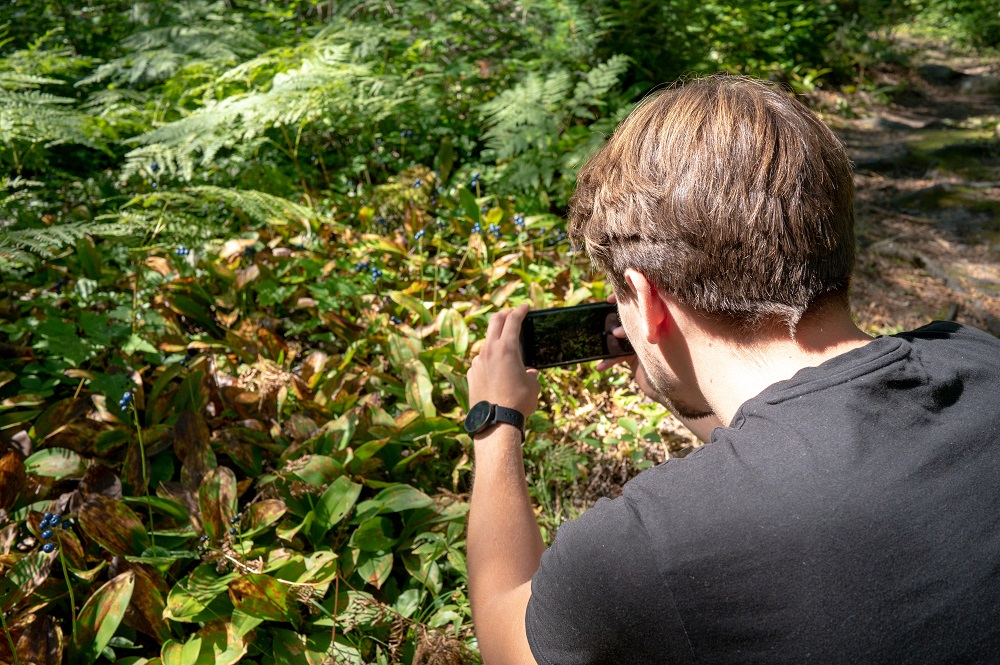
(567, 335)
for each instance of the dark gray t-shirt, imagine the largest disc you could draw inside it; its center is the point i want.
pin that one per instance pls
(850, 514)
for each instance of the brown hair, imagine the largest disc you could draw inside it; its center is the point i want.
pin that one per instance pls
(726, 193)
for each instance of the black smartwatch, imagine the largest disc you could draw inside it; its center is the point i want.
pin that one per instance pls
(483, 415)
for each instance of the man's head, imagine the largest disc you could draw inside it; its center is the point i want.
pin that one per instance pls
(727, 194)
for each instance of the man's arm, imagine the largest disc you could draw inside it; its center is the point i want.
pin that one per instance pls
(504, 543)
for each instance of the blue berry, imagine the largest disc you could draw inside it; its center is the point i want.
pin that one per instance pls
(201, 548)
(55, 519)
(232, 531)
(519, 221)
(47, 516)
(154, 167)
(476, 228)
(44, 524)
(494, 229)
(418, 183)
(48, 548)
(418, 235)
(47, 534)
(203, 538)
(395, 319)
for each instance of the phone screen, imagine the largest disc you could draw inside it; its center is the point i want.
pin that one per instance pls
(567, 335)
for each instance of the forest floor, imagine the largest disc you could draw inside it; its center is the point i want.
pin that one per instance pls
(927, 167)
(926, 150)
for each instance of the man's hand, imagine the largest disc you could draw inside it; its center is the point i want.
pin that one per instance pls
(498, 374)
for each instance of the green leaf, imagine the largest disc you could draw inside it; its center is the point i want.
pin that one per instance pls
(419, 389)
(58, 463)
(374, 568)
(336, 502)
(218, 501)
(629, 425)
(221, 644)
(315, 470)
(135, 343)
(373, 535)
(193, 594)
(264, 597)
(99, 618)
(294, 649)
(453, 327)
(398, 498)
(175, 653)
(412, 304)
(470, 205)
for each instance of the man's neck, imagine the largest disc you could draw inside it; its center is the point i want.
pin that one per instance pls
(733, 373)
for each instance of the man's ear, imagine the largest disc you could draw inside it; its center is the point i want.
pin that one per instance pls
(654, 317)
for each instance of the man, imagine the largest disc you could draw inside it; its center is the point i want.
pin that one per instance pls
(847, 507)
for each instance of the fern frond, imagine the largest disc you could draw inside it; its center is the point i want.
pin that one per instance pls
(256, 205)
(327, 85)
(201, 32)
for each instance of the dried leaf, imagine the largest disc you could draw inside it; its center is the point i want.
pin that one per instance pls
(145, 613)
(99, 479)
(59, 415)
(41, 642)
(191, 444)
(113, 525)
(218, 501)
(21, 579)
(12, 478)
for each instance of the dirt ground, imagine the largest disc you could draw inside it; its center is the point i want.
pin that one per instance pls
(926, 151)
(927, 169)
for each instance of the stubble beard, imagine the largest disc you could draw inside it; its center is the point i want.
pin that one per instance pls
(667, 392)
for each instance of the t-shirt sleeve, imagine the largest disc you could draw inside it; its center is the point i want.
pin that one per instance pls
(599, 596)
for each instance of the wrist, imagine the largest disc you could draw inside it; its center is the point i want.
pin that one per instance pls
(485, 415)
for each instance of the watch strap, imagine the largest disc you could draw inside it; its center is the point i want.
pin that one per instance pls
(502, 414)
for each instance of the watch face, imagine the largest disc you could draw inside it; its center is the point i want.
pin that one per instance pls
(478, 416)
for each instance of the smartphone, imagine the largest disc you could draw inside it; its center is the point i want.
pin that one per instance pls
(568, 335)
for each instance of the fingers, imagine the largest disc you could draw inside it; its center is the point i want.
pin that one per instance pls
(512, 324)
(612, 299)
(495, 328)
(608, 363)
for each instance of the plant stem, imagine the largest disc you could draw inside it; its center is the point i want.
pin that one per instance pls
(145, 478)
(10, 640)
(69, 587)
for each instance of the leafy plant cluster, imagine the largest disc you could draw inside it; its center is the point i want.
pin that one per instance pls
(246, 252)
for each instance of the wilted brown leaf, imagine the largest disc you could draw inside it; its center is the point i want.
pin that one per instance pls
(99, 479)
(59, 415)
(145, 612)
(217, 499)
(41, 642)
(12, 479)
(113, 525)
(191, 444)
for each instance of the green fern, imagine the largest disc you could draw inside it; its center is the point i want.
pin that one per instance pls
(539, 128)
(327, 85)
(197, 32)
